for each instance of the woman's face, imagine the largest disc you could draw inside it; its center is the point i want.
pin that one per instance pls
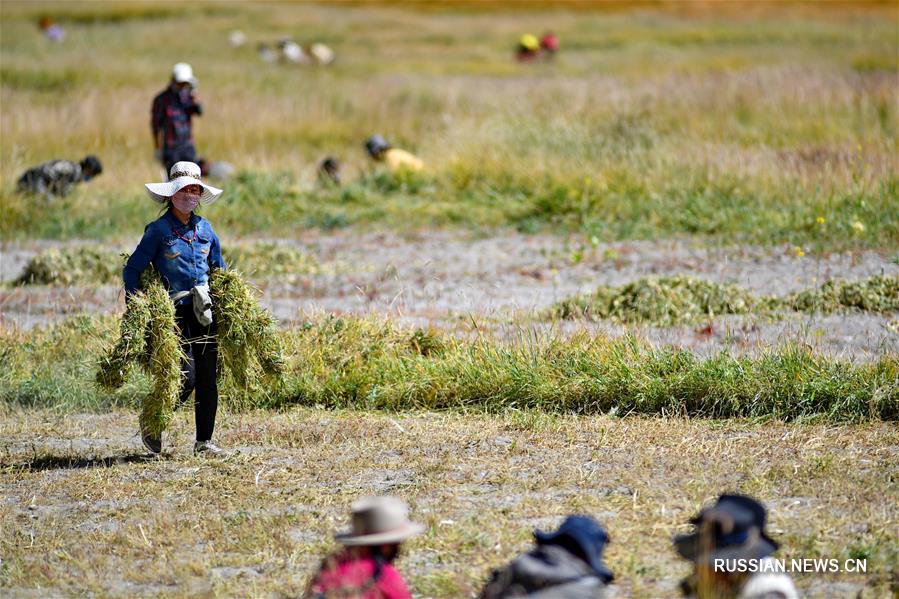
(187, 198)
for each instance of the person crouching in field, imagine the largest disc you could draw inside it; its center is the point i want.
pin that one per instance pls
(329, 172)
(396, 160)
(183, 248)
(58, 177)
(565, 564)
(731, 531)
(364, 568)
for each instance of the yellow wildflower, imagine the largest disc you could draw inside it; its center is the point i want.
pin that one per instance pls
(820, 220)
(798, 251)
(858, 226)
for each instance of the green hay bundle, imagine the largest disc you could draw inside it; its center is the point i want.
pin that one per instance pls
(148, 336)
(875, 294)
(249, 345)
(250, 348)
(164, 362)
(131, 347)
(664, 301)
(71, 266)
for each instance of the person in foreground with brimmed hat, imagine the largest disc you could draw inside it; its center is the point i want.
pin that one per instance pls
(732, 532)
(183, 248)
(565, 564)
(364, 568)
(396, 159)
(171, 116)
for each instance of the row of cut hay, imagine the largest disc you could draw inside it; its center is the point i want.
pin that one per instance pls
(664, 301)
(368, 363)
(82, 265)
(667, 301)
(363, 363)
(875, 294)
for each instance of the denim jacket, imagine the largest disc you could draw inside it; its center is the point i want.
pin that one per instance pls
(182, 254)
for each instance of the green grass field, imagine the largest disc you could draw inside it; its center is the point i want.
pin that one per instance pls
(739, 137)
(369, 363)
(749, 126)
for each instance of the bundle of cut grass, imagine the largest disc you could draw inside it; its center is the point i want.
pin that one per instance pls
(164, 358)
(148, 336)
(249, 344)
(131, 346)
(71, 266)
(875, 294)
(250, 348)
(663, 301)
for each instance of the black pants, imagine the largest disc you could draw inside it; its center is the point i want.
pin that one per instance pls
(198, 372)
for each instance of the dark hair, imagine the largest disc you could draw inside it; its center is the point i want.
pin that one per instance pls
(330, 164)
(329, 170)
(92, 164)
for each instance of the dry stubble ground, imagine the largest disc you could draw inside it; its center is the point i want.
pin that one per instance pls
(84, 513)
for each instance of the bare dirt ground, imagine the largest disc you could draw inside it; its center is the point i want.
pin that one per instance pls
(502, 283)
(83, 512)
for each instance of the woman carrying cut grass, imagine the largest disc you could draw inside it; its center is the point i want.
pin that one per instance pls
(183, 248)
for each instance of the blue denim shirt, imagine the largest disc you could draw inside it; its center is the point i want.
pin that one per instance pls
(182, 254)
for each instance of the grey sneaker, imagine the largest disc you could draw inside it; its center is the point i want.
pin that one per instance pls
(154, 444)
(208, 448)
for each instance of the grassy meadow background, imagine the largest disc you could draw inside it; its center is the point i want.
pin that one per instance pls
(715, 123)
(749, 124)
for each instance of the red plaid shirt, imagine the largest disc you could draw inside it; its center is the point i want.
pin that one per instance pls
(171, 114)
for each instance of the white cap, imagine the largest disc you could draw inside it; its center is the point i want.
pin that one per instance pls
(292, 52)
(237, 38)
(183, 73)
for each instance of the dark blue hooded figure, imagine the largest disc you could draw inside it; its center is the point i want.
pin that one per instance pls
(584, 537)
(565, 564)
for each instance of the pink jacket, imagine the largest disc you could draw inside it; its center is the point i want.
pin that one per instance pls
(347, 576)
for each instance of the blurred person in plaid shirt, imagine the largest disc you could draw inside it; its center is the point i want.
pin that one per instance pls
(172, 112)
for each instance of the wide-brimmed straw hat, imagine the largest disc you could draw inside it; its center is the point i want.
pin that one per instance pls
(181, 175)
(735, 528)
(379, 521)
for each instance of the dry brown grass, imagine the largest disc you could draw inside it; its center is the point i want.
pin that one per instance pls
(184, 526)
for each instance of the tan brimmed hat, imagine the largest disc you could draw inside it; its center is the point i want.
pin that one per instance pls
(379, 521)
(182, 174)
